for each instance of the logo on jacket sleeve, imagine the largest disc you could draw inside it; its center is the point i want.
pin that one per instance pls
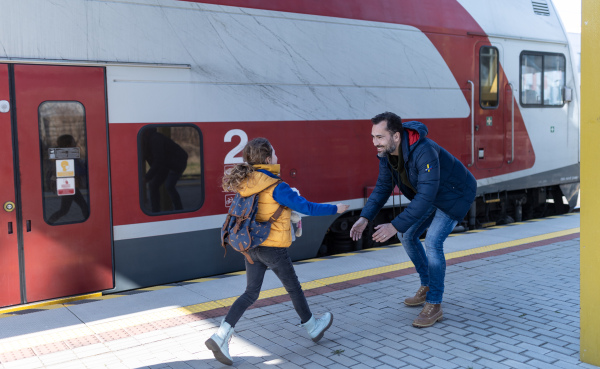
(428, 169)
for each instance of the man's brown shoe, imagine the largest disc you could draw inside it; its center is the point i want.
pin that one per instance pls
(430, 314)
(418, 298)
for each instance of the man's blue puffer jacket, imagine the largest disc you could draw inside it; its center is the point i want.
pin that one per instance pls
(440, 179)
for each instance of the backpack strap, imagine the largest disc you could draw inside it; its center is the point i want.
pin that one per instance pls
(245, 253)
(279, 210)
(277, 214)
(224, 233)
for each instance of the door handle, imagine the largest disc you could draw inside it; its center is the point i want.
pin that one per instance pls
(472, 123)
(10, 231)
(28, 223)
(512, 119)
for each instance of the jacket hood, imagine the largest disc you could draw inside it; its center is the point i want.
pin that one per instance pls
(272, 168)
(410, 132)
(258, 180)
(416, 126)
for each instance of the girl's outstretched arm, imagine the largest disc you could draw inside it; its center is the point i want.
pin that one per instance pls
(284, 195)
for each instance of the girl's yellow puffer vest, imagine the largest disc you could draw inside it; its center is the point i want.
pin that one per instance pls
(281, 234)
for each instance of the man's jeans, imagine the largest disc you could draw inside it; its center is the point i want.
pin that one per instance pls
(279, 261)
(429, 261)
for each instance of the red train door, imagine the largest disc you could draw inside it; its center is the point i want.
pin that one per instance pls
(9, 247)
(63, 175)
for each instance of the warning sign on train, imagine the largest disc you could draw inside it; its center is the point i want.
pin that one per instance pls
(63, 153)
(65, 168)
(65, 186)
(228, 200)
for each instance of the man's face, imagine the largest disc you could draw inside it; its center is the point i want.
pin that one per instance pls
(384, 141)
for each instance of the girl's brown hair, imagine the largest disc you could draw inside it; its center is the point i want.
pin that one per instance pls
(255, 152)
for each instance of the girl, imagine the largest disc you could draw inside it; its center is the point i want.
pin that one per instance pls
(259, 172)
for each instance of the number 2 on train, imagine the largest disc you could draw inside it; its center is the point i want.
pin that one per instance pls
(231, 158)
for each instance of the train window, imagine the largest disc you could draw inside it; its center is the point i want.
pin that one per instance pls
(554, 79)
(170, 169)
(488, 77)
(543, 79)
(63, 147)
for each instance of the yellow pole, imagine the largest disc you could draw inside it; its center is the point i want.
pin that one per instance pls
(590, 182)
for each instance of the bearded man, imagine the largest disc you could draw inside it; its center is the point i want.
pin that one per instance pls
(441, 190)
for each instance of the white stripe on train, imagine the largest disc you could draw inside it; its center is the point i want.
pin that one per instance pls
(153, 229)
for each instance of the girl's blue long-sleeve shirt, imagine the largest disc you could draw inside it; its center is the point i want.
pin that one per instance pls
(285, 196)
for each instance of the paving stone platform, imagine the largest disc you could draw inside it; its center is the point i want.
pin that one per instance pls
(511, 301)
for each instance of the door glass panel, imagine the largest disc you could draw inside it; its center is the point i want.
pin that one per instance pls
(488, 77)
(63, 144)
(554, 79)
(170, 167)
(531, 79)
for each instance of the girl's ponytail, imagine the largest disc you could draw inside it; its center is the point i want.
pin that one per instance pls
(235, 176)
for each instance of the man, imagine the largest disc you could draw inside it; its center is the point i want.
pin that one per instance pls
(167, 162)
(441, 191)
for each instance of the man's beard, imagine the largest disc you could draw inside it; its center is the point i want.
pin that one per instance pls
(389, 149)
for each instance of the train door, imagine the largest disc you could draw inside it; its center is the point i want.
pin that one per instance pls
(9, 247)
(489, 115)
(63, 189)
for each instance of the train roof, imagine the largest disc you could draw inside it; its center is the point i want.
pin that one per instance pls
(526, 19)
(519, 19)
(122, 31)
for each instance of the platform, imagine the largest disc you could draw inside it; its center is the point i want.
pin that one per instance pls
(511, 301)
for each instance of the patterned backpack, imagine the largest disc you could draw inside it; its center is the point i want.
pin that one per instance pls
(241, 230)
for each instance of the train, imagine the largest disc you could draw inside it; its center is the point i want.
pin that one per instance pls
(98, 97)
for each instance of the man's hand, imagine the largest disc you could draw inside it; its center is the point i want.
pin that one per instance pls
(358, 228)
(384, 232)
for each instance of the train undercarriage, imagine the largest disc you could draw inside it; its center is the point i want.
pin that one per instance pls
(487, 210)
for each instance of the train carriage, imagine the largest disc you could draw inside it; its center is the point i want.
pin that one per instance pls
(97, 96)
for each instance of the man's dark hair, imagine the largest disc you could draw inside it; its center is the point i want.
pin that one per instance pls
(394, 123)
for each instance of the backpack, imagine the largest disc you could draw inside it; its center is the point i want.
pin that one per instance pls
(241, 230)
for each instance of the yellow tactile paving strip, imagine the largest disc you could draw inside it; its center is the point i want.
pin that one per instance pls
(8, 345)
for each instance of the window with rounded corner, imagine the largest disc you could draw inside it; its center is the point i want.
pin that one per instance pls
(554, 80)
(543, 79)
(170, 169)
(63, 145)
(488, 77)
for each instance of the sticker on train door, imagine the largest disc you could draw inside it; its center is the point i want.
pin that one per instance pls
(65, 186)
(65, 168)
(229, 200)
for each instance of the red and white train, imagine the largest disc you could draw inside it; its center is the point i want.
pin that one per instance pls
(91, 92)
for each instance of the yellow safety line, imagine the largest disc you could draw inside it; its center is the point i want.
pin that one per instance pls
(47, 304)
(155, 288)
(241, 272)
(199, 280)
(312, 260)
(108, 297)
(11, 344)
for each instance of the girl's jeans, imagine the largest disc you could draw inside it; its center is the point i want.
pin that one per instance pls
(429, 260)
(278, 260)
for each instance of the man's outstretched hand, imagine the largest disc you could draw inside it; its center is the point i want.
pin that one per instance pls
(358, 228)
(384, 232)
